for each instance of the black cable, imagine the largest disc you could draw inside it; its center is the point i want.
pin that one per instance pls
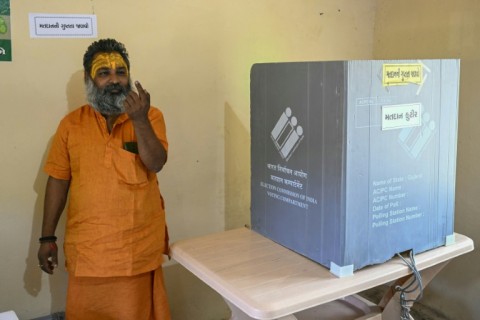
(406, 304)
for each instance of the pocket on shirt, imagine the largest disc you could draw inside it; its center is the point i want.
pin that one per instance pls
(129, 167)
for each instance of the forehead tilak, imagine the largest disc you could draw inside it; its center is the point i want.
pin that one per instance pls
(110, 60)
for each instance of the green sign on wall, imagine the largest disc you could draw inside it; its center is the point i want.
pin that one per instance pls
(5, 35)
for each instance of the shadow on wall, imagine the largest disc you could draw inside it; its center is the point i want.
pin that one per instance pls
(237, 171)
(191, 298)
(75, 91)
(33, 275)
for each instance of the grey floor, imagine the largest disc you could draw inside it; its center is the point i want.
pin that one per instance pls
(55, 316)
(419, 310)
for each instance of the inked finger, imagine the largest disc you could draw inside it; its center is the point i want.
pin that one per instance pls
(139, 86)
(143, 94)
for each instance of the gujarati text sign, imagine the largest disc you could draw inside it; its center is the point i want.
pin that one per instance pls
(62, 26)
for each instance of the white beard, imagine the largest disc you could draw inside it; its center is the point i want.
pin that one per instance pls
(103, 100)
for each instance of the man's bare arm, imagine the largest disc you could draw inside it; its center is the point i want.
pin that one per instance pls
(150, 149)
(55, 199)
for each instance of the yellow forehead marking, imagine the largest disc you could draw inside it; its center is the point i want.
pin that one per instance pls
(109, 60)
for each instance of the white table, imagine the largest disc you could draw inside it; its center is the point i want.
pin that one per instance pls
(260, 279)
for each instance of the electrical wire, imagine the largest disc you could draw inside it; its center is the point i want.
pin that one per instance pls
(416, 282)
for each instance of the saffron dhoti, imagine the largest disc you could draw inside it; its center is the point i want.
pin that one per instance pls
(139, 297)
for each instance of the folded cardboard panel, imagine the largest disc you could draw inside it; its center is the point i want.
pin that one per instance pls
(354, 161)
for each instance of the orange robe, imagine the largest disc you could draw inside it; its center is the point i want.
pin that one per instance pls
(115, 221)
(139, 297)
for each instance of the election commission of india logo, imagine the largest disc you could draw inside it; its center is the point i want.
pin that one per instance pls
(287, 134)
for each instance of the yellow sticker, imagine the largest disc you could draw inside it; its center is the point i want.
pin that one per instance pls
(402, 74)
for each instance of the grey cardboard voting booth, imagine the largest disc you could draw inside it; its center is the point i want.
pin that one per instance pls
(354, 161)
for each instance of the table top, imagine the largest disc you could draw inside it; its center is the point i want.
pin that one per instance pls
(267, 281)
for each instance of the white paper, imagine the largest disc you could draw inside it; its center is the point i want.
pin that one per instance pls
(9, 315)
(401, 116)
(44, 25)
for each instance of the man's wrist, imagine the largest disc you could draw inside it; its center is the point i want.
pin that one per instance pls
(142, 121)
(47, 239)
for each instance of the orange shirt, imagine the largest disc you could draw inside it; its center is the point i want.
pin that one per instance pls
(116, 220)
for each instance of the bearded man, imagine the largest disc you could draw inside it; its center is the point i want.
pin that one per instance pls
(106, 155)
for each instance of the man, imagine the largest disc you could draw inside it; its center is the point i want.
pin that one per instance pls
(107, 154)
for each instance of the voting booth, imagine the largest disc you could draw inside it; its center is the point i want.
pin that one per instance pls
(354, 161)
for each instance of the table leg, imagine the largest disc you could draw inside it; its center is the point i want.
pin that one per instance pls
(238, 314)
(391, 300)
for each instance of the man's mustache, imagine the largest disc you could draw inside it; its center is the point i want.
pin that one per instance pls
(116, 88)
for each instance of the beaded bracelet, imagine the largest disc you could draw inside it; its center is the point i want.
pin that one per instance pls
(47, 239)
